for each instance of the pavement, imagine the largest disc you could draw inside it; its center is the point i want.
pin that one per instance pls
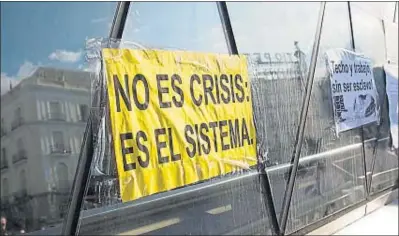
(383, 221)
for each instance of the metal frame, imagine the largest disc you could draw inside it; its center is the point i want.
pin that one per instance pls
(71, 222)
(378, 138)
(82, 176)
(368, 174)
(302, 122)
(264, 179)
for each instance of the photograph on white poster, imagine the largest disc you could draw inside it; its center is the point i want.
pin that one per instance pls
(353, 90)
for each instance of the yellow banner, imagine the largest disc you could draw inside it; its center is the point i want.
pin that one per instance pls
(177, 118)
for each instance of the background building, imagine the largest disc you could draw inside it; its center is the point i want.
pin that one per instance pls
(42, 119)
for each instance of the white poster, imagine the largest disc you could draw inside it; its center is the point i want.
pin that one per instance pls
(353, 90)
(391, 72)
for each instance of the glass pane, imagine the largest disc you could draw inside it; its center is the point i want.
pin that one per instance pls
(280, 50)
(397, 13)
(380, 10)
(231, 204)
(193, 26)
(281, 64)
(44, 79)
(329, 173)
(386, 162)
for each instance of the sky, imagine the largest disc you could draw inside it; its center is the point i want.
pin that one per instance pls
(54, 33)
(48, 34)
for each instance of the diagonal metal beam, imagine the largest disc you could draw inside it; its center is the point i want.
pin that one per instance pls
(302, 122)
(361, 129)
(379, 134)
(263, 176)
(82, 175)
(118, 24)
(227, 29)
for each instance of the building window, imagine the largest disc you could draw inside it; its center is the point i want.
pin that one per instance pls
(22, 179)
(21, 153)
(4, 154)
(21, 149)
(84, 112)
(18, 120)
(59, 145)
(4, 162)
(62, 176)
(3, 127)
(5, 188)
(55, 111)
(18, 113)
(20, 143)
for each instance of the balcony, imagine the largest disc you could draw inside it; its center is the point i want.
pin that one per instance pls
(64, 187)
(5, 201)
(22, 194)
(60, 149)
(83, 118)
(21, 156)
(4, 166)
(17, 122)
(57, 116)
(3, 132)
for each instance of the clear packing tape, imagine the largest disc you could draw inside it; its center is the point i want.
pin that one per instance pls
(188, 135)
(260, 123)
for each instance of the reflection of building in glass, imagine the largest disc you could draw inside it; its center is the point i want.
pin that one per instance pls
(42, 125)
(273, 66)
(278, 85)
(278, 89)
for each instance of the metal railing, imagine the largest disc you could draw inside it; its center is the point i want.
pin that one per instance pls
(56, 116)
(3, 132)
(17, 123)
(60, 149)
(20, 156)
(151, 202)
(21, 194)
(83, 118)
(4, 166)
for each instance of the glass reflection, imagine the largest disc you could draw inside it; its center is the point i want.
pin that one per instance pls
(212, 207)
(193, 26)
(45, 100)
(381, 160)
(379, 10)
(46, 95)
(330, 175)
(279, 44)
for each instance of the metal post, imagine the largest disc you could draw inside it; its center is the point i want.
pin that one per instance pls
(379, 127)
(361, 128)
(71, 222)
(302, 122)
(351, 27)
(228, 31)
(268, 195)
(264, 179)
(81, 178)
(118, 25)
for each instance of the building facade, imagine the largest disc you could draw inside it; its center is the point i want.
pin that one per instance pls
(41, 132)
